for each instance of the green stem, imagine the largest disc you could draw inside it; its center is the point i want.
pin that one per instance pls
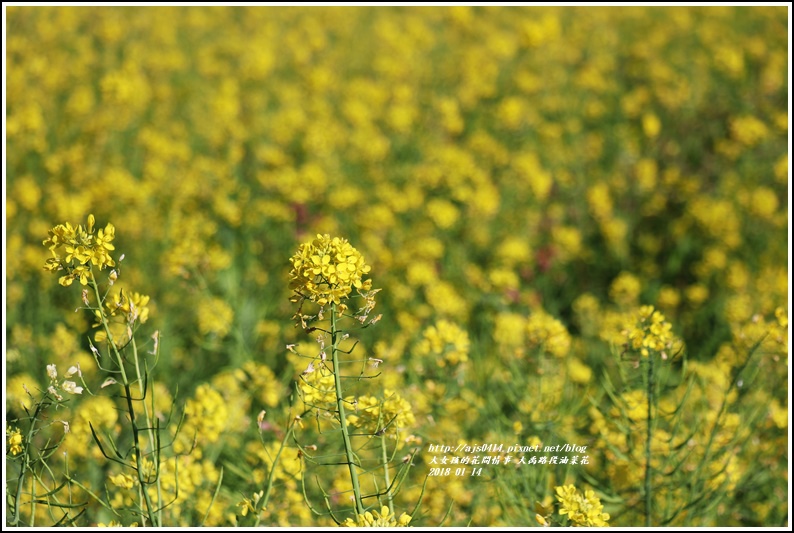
(106, 327)
(88, 491)
(386, 477)
(24, 469)
(272, 473)
(130, 408)
(33, 503)
(40, 407)
(340, 404)
(648, 443)
(138, 457)
(150, 431)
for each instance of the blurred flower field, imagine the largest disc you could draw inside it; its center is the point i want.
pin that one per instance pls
(577, 219)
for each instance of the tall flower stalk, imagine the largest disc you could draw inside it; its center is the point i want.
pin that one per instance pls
(340, 405)
(327, 273)
(650, 336)
(79, 253)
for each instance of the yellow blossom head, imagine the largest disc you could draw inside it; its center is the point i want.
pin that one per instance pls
(649, 332)
(81, 245)
(382, 518)
(15, 441)
(582, 509)
(390, 416)
(327, 269)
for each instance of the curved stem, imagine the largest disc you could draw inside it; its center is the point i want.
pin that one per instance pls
(271, 475)
(106, 327)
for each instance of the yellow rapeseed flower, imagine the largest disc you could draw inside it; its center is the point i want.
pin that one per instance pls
(15, 440)
(548, 333)
(124, 481)
(249, 505)
(326, 270)
(318, 387)
(389, 416)
(582, 510)
(134, 306)
(649, 331)
(384, 518)
(446, 342)
(81, 245)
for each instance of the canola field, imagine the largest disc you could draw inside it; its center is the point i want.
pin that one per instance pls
(408, 266)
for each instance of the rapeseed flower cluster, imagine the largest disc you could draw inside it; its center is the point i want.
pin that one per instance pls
(206, 418)
(548, 334)
(123, 310)
(446, 343)
(382, 518)
(392, 415)
(318, 387)
(650, 332)
(582, 509)
(15, 440)
(81, 245)
(99, 412)
(327, 269)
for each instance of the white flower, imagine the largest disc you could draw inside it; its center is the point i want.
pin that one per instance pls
(54, 392)
(71, 386)
(74, 370)
(52, 372)
(156, 338)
